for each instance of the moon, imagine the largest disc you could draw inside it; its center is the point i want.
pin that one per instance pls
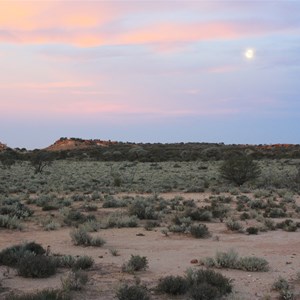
(249, 53)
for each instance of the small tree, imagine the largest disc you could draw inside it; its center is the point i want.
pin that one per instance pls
(7, 159)
(40, 160)
(239, 169)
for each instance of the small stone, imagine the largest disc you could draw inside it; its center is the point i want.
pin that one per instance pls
(194, 261)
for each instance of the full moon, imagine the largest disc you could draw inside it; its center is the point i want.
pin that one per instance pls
(249, 53)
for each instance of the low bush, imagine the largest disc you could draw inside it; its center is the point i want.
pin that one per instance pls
(9, 222)
(284, 289)
(231, 260)
(143, 209)
(234, 225)
(287, 225)
(252, 230)
(48, 294)
(199, 231)
(74, 281)
(207, 284)
(253, 264)
(132, 292)
(12, 255)
(36, 266)
(83, 262)
(81, 237)
(119, 220)
(199, 214)
(135, 263)
(174, 285)
(227, 259)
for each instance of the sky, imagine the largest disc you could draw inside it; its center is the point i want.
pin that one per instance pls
(149, 71)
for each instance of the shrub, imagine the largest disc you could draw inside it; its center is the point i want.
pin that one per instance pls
(143, 209)
(284, 289)
(199, 231)
(11, 255)
(135, 263)
(204, 291)
(114, 252)
(234, 225)
(10, 222)
(199, 214)
(97, 241)
(252, 230)
(133, 292)
(119, 220)
(207, 284)
(74, 217)
(231, 260)
(83, 262)
(239, 169)
(174, 285)
(74, 281)
(48, 294)
(287, 225)
(80, 236)
(253, 264)
(36, 266)
(227, 259)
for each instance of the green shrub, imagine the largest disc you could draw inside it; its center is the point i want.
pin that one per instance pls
(83, 262)
(227, 259)
(207, 284)
(132, 292)
(97, 241)
(174, 285)
(36, 266)
(119, 220)
(135, 263)
(143, 209)
(12, 255)
(204, 291)
(81, 237)
(270, 224)
(287, 225)
(48, 294)
(239, 169)
(284, 289)
(231, 260)
(75, 217)
(252, 230)
(199, 214)
(253, 264)
(74, 281)
(234, 225)
(199, 231)
(9, 222)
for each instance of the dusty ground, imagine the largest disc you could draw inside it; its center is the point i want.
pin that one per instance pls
(167, 255)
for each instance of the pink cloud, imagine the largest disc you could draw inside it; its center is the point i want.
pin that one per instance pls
(101, 23)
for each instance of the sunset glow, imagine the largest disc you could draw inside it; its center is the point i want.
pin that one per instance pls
(149, 71)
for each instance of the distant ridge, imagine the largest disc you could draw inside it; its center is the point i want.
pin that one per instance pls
(77, 143)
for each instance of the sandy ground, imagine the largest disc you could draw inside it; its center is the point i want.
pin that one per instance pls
(167, 255)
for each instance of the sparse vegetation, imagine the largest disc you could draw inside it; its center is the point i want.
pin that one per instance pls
(231, 260)
(132, 292)
(80, 237)
(135, 263)
(82, 195)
